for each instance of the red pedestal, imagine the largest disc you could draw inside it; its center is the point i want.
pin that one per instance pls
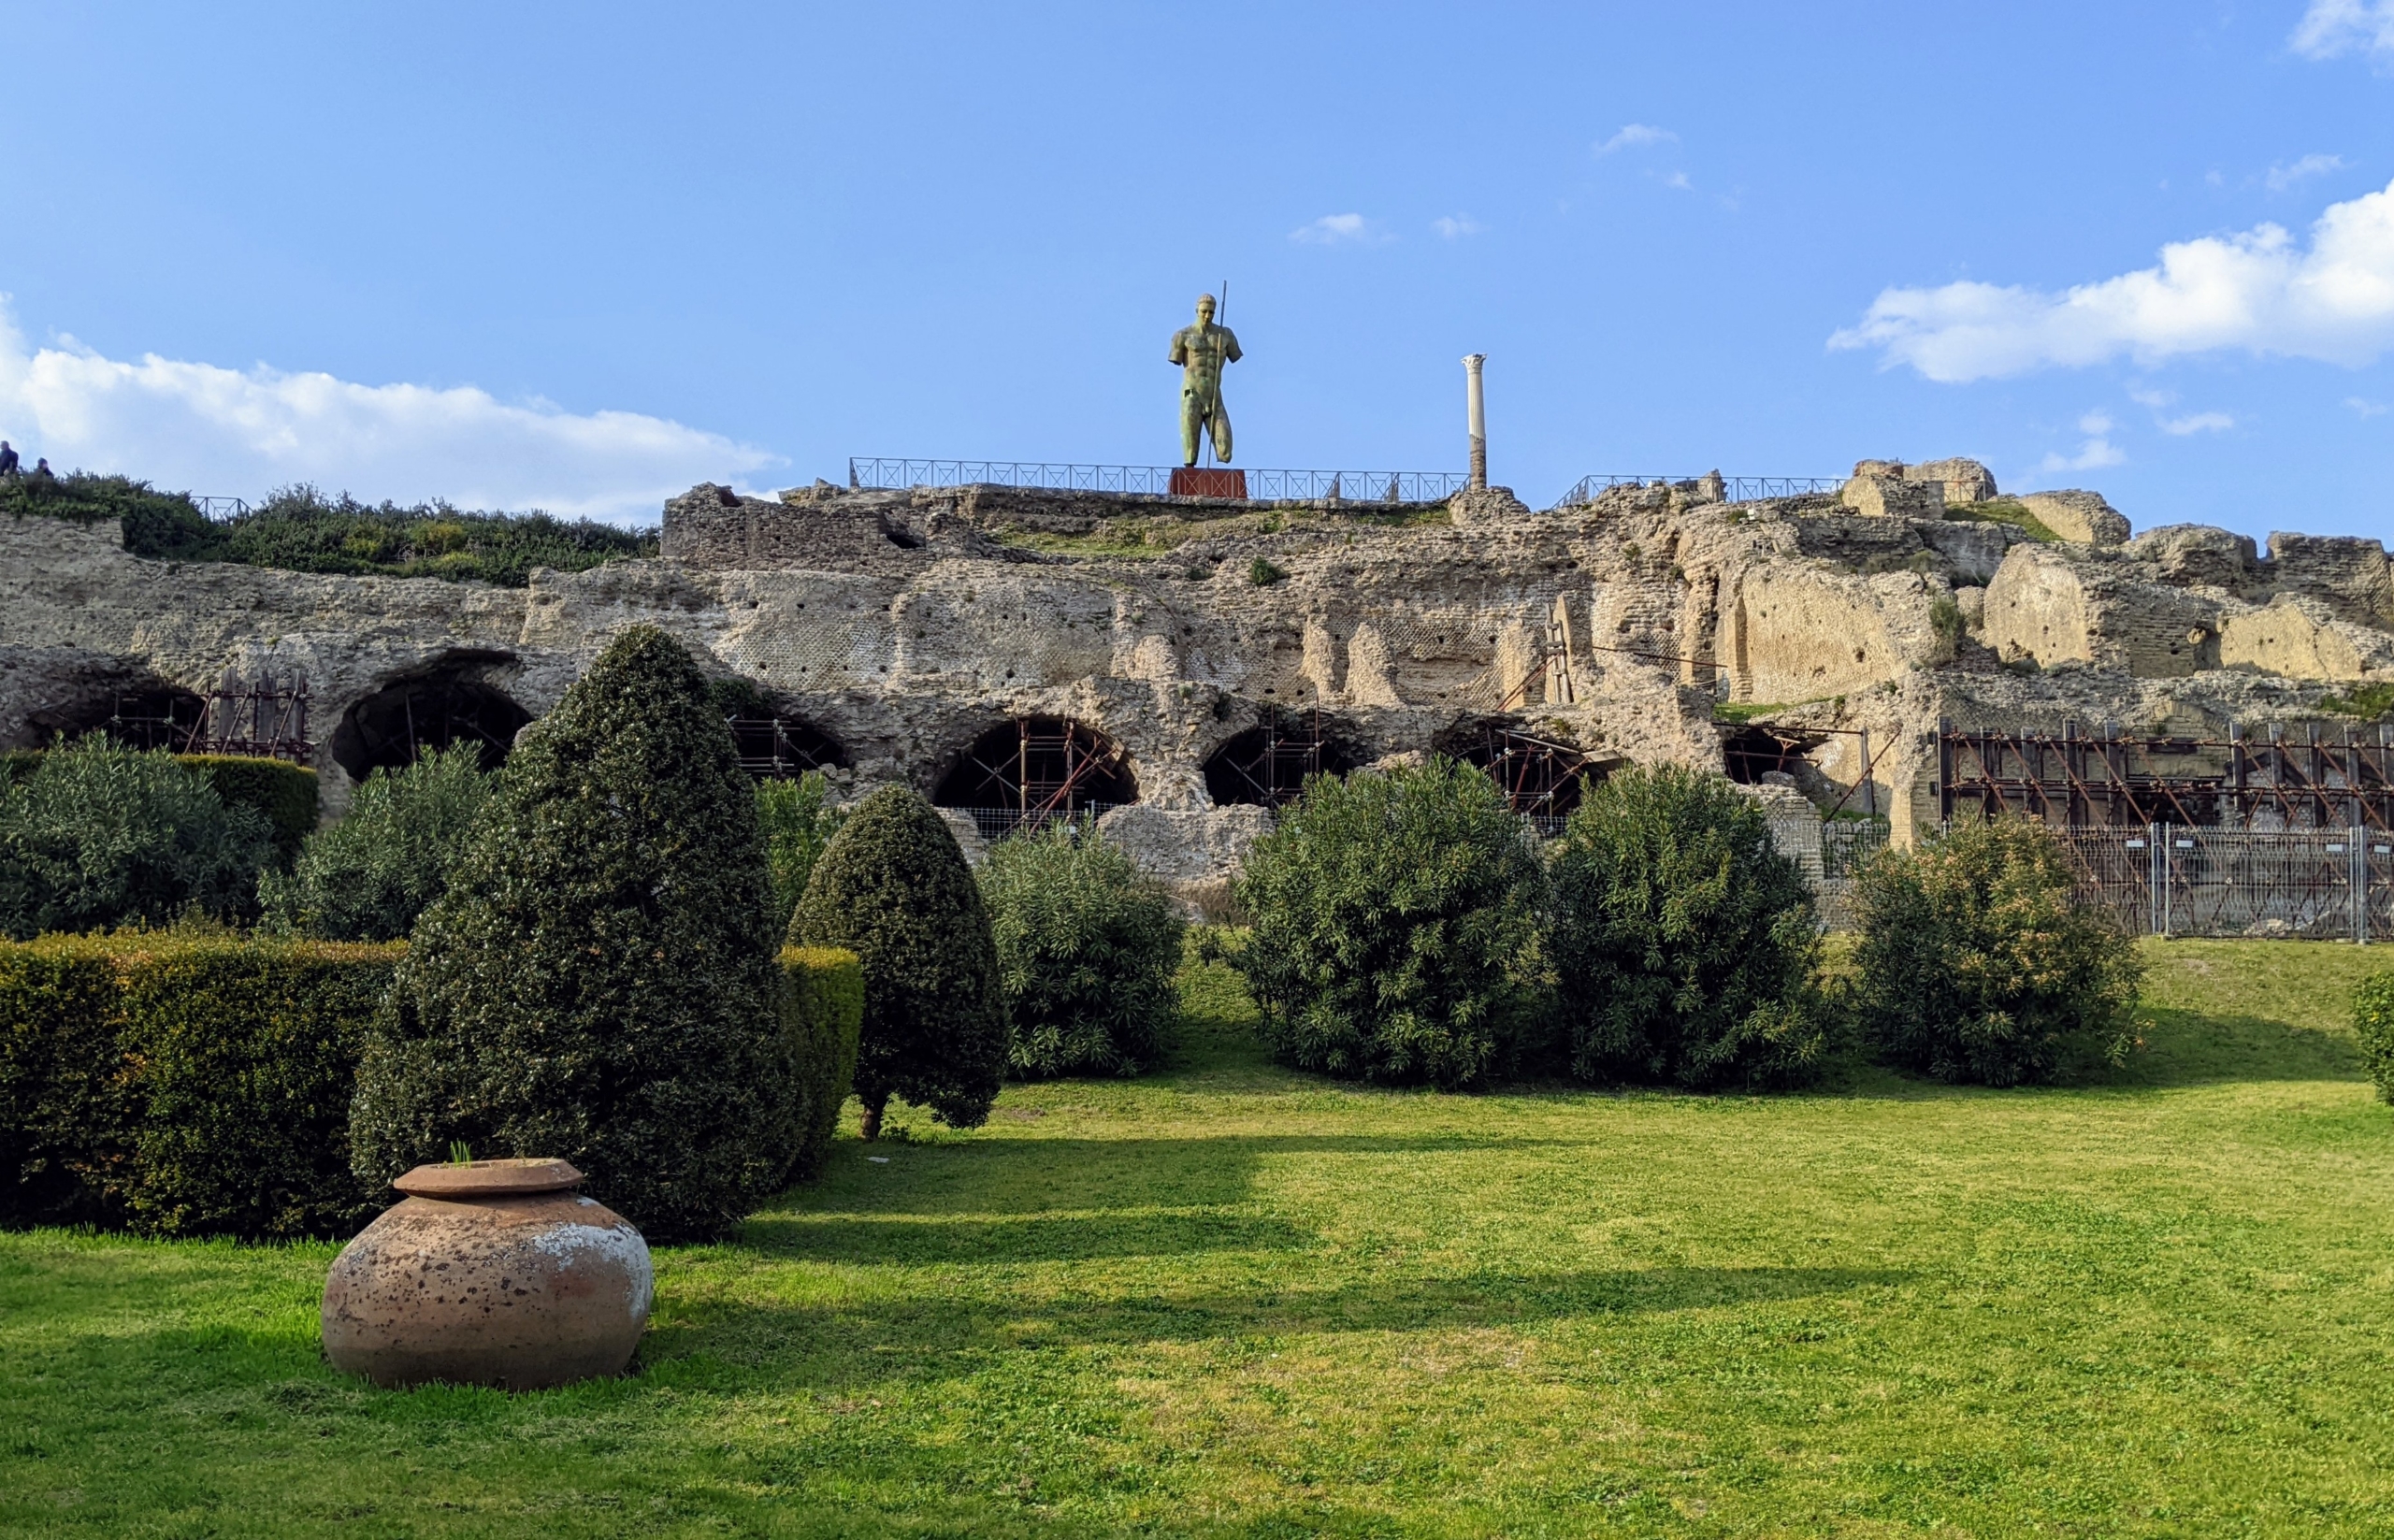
(1208, 482)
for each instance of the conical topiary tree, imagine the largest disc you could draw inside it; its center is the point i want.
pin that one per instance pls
(893, 888)
(597, 982)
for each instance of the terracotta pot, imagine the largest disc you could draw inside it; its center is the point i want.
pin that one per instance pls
(495, 1272)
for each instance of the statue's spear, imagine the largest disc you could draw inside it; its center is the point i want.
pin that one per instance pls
(1214, 408)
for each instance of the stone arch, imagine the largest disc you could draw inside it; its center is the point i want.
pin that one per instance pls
(1268, 764)
(1039, 765)
(1752, 752)
(447, 704)
(1537, 775)
(141, 714)
(781, 748)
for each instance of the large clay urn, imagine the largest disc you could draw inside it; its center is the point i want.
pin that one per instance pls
(489, 1272)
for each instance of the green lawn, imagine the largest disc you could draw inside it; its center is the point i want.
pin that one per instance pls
(1231, 1300)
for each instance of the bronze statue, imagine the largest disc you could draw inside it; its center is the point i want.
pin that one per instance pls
(1201, 351)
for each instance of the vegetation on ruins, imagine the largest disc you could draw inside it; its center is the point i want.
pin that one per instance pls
(1683, 943)
(102, 835)
(1974, 961)
(1392, 916)
(2373, 1026)
(302, 529)
(596, 984)
(1087, 949)
(892, 887)
(367, 877)
(796, 820)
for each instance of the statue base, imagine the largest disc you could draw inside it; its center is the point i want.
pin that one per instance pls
(1208, 482)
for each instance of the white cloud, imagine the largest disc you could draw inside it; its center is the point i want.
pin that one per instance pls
(2279, 177)
(1636, 137)
(2095, 453)
(2366, 407)
(2196, 422)
(2256, 290)
(2332, 27)
(228, 432)
(1455, 227)
(1340, 230)
(1678, 180)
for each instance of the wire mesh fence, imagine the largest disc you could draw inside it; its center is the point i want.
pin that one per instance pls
(996, 823)
(2177, 880)
(1263, 485)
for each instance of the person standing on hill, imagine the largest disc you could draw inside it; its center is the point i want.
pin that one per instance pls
(8, 460)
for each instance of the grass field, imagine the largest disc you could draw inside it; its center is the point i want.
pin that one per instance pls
(1231, 1300)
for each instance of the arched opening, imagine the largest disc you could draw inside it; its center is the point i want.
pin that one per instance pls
(1035, 769)
(1751, 752)
(1267, 765)
(1538, 776)
(148, 716)
(392, 728)
(782, 748)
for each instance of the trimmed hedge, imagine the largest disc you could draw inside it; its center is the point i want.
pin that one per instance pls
(184, 1084)
(285, 793)
(2373, 1021)
(823, 1004)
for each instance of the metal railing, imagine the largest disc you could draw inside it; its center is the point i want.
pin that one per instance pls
(1736, 489)
(1263, 485)
(218, 510)
(996, 823)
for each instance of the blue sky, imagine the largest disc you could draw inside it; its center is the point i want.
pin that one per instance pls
(579, 257)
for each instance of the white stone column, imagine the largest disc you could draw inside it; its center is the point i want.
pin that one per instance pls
(1478, 408)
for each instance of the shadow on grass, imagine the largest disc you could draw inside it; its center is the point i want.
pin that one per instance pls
(2198, 1047)
(878, 1339)
(852, 1238)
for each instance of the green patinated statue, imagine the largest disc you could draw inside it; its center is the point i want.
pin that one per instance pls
(1201, 351)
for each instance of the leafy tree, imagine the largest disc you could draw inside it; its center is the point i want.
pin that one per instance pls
(1086, 950)
(1682, 940)
(1392, 918)
(102, 835)
(597, 983)
(798, 821)
(893, 888)
(1976, 962)
(2374, 1023)
(367, 877)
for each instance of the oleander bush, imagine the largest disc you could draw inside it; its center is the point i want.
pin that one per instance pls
(101, 835)
(367, 877)
(1975, 962)
(823, 1003)
(893, 888)
(1683, 943)
(1393, 929)
(597, 982)
(180, 1083)
(1086, 950)
(798, 821)
(2374, 1023)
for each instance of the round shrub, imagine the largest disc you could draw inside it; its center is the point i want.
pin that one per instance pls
(2374, 1022)
(1392, 914)
(597, 983)
(893, 888)
(1682, 942)
(367, 877)
(101, 835)
(1087, 949)
(1975, 963)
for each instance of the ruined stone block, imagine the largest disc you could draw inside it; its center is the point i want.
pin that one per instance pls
(2344, 573)
(2081, 517)
(2196, 554)
(1894, 498)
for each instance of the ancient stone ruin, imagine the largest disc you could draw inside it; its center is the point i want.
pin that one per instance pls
(1178, 665)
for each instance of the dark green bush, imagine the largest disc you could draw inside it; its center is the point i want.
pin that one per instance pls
(283, 792)
(1682, 942)
(183, 1085)
(367, 877)
(300, 529)
(1975, 962)
(824, 1006)
(798, 821)
(2374, 1022)
(893, 888)
(1087, 949)
(596, 983)
(100, 835)
(1392, 916)
(152, 523)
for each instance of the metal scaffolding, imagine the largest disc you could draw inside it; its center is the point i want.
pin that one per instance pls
(1269, 765)
(780, 748)
(263, 718)
(2078, 780)
(1035, 769)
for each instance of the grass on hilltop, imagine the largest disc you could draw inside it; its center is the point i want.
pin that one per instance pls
(1231, 1300)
